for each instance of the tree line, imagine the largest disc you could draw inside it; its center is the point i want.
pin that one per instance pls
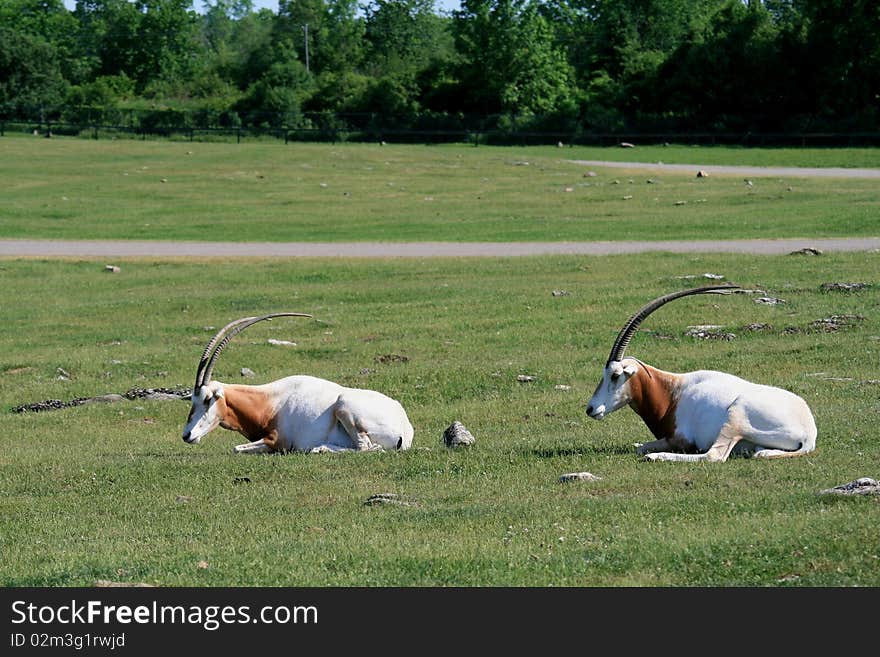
(593, 65)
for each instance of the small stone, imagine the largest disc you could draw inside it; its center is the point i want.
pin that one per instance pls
(702, 174)
(561, 386)
(714, 277)
(63, 375)
(456, 435)
(757, 326)
(384, 359)
(578, 476)
(709, 332)
(525, 378)
(183, 499)
(113, 269)
(380, 499)
(281, 343)
(807, 251)
(560, 293)
(202, 565)
(836, 322)
(247, 373)
(590, 174)
(626, 144)
(861, 486)
(681, 203)
(843, 287)
(769, 301)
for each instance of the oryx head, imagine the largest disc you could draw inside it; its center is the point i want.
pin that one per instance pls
(613, 390)
(208, 404)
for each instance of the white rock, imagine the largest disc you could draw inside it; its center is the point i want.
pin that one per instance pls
(578, 476)
(456, 434)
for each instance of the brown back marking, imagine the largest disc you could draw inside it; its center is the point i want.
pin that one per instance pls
(248, 411)
(654, 396)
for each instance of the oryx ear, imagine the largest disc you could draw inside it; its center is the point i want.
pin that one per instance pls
(630, 370)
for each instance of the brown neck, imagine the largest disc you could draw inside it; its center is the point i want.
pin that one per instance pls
(654, 396)
(248, 411)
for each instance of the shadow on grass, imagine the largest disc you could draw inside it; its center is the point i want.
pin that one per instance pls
(581, 450)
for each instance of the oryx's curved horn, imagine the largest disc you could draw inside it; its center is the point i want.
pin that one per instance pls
(632, 324)
(219, 341)
(206, 355)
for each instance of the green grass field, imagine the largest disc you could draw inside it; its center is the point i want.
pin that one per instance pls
(111, 491)
(83, 189)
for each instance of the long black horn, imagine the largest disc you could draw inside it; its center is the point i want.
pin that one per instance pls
(231, 330)
(632, 324)
(206, 355)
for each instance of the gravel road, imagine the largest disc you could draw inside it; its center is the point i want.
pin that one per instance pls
(121, 249)
(785, 172)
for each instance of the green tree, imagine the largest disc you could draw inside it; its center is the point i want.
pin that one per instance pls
(729, 76)
(510, 62)
(843, 56)
(167, 47)
(31, 83)
(52, 22)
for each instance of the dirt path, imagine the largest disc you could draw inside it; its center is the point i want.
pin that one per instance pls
(121, 249)
(786, 172)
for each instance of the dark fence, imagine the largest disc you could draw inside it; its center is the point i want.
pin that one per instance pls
(102, 123)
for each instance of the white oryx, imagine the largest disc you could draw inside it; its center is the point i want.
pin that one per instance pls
(703, 415)
(297, 413)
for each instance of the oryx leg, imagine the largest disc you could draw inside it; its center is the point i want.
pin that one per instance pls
(358, 434)
(262, 446)
(323, 449)
(727, 439)
(256, 447)
(661, 445)
(766, 453)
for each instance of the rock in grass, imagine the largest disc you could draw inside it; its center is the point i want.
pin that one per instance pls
(861, 486)
(457, 435)
(578, 476)
(843, 287)
(381, 499)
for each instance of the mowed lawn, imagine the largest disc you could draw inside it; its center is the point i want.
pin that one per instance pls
(110, 491)
(67, 188)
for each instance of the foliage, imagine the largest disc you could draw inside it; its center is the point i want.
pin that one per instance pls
(597, 65)
(30, 74)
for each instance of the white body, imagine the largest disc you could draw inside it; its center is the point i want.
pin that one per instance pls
(710, 413)
(308, 409)
(769, 417)
(300, 413)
